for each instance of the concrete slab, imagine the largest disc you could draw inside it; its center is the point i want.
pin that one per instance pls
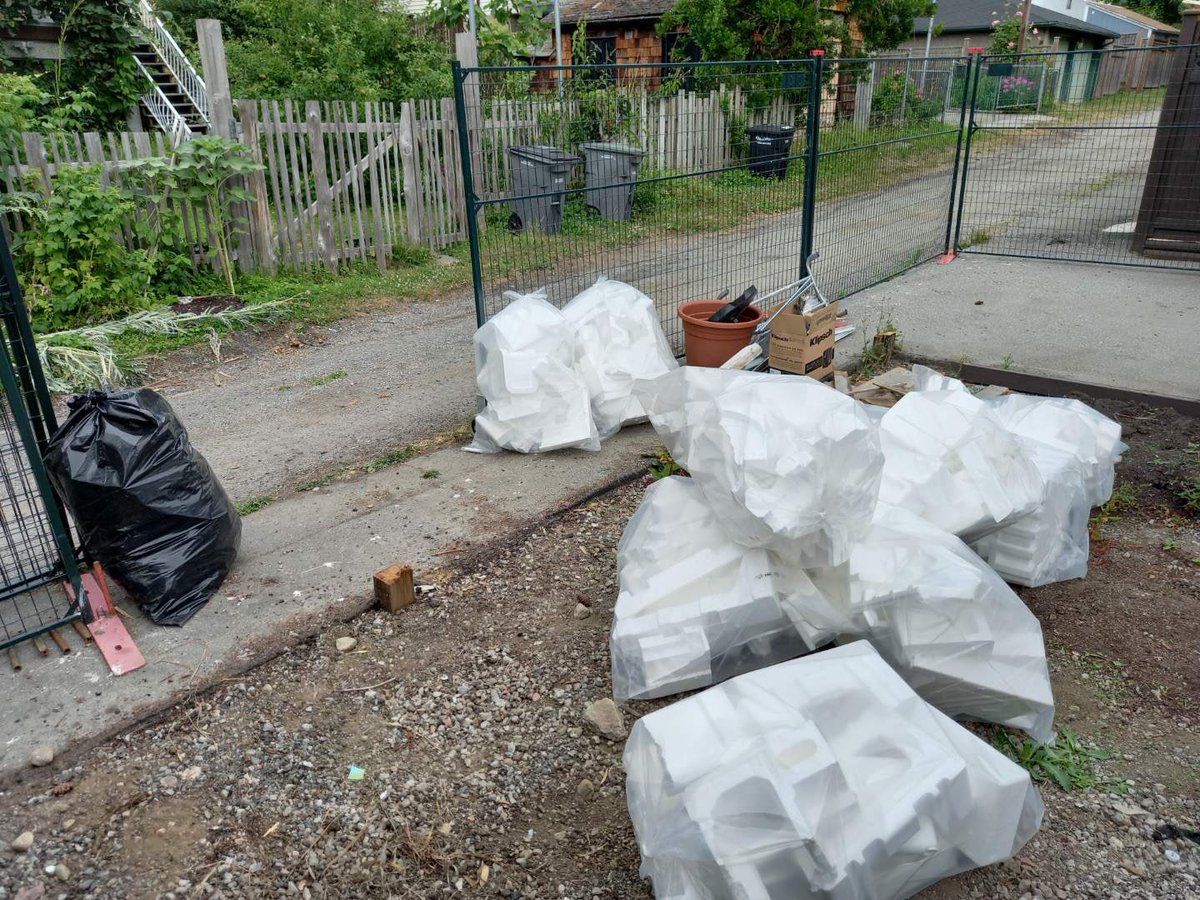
(1112, 325)
(305, 562)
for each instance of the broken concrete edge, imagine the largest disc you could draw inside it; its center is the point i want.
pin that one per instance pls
(1048, 385)
(293, 634)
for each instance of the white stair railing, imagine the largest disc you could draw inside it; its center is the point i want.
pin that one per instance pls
(176, 60)
(163, 111)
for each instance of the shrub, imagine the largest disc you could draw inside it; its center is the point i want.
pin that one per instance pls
(76, 266)
(900, 100)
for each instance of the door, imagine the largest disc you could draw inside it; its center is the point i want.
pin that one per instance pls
(1168, 225)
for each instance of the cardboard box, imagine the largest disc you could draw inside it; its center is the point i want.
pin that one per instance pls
(803, 345)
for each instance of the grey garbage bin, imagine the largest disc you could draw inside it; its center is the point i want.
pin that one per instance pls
(610, 172)
(540, 175)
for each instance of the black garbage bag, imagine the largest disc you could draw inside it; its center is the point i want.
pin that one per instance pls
(146, 503)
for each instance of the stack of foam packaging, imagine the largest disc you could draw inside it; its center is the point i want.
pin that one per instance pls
(554, 379)
(824, 777)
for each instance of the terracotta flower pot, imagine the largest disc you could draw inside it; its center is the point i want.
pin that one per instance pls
(712, 343)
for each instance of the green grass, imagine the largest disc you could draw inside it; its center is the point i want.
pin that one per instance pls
(327, 379)
(391, 458)
(430, 474)
(321, 297)
(254, 505)
(1171, 544)
(1067, 763)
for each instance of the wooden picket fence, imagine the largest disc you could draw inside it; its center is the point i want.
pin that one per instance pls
(340, 181)
(1137, 66)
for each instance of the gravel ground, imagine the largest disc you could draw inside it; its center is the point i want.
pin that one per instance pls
(481, 774)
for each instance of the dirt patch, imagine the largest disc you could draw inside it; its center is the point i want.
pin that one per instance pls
(480, 776)
(212, 303)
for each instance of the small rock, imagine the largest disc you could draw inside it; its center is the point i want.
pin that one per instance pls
(23, 842)
(586, 790)
(1172, 856)
(34, 891)
(191, 773)
(168, 782)
(41, 756)
(443, 259)
(1116, 843)
(346, 644)
(1134, 869)
(62, 873)
(581, 611)
(605, 717)
(1127, 810)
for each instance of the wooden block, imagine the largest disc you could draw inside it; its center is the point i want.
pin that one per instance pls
(394, 587)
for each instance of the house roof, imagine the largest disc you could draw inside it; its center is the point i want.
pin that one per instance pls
(1136, 17)
(572, 12)
(956, 16)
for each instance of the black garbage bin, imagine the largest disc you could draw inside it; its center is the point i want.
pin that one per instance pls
(610, 172)
(770, 146)
(540, 175)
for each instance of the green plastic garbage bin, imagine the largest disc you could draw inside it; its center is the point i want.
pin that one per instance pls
(610, 172)
(540, 175)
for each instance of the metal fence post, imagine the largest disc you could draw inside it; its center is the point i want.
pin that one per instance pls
(973, 84)
(812, 137)
(949, 252)
(472, 201)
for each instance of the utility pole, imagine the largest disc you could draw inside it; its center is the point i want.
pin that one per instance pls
(1024, 26)
(928, 44)
(472, 24)
(558, 44)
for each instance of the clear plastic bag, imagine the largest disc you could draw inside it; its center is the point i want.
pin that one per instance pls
(618, 339)
(786, 463)
(824, 777)
(525, 371)
(1051, 543)
(946, 622)
(949, 460)
(1071, 426)
(695, 608)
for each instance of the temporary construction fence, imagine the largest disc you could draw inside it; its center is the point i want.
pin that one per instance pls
(1070, 185)
(37, 559)
(686, 179)
(716, 168)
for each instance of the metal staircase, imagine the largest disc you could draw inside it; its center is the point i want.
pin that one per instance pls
(177, 101)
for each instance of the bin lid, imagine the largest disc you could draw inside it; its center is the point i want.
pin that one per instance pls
(543, 153)
(612, 147)
(773, 130)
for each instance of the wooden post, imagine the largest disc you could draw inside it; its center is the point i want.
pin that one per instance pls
(325, 247)
(394, 588)
(408, 161)
(261, 236)
(216, 77)
(467, 52)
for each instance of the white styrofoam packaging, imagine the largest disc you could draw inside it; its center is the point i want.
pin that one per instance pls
(695, 608)
(1051, 543)
(1071, 426)
(949, 460)
(525, 371)
(824, 777)
(786, 463)
(946, 622)
(618, 339)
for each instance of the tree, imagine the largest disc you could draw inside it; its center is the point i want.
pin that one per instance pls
(788, 29)
(507, 29)
(1168, 11)
(94, 82)
(320, 49)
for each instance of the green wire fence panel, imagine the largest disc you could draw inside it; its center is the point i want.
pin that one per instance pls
(1059, 154)
(36, 556)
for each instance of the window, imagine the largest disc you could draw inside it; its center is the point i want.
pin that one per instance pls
(600, 51)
